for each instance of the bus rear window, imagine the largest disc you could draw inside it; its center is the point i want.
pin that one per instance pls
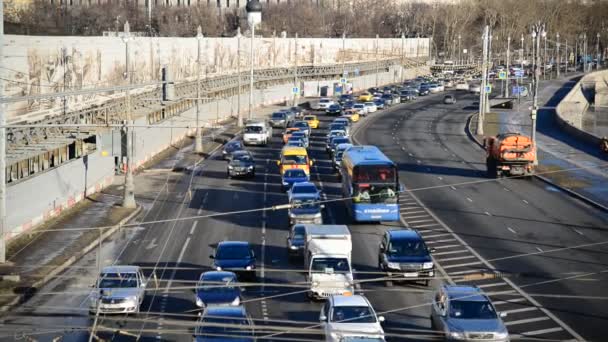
(375, 174)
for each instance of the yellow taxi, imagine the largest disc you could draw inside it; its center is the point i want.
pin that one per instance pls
(288, 132)
(312, 120)
(352, 115)
(366, 97)
(294, 158)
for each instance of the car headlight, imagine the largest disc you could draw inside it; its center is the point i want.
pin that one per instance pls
(131, 298)
(218, 268)
(236, 301)
(230, 167)
(199, 302)
(293, 247)
(285, 183)
(427, 265)
(315, 284)
(336, 336)
(249, 268)
(318, 215)
(250, 167)
(292, 215)
(347, 284)
(394, 265)
(457, 335)
(501, 335)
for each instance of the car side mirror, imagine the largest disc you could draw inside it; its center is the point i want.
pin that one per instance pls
(211, 256)
(322, 318)
(503, 314)
(381, 319)
(381, 246)
(143, 284)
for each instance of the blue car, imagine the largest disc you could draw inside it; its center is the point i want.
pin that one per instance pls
(404, 256)
(379, 103)
(217, 288)
(224, 323)
(236, 256)
(292, 176)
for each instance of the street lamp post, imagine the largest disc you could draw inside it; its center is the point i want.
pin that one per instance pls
(377, 65)
(536, 34)
(198, 142)
(254, 17)
(238, 71)
(567, 57)
(459, 50)
(129, 188)
(544, 34)
(508, 65)
(295, 72)
(597, 51)
(585, 51)
(557, 55)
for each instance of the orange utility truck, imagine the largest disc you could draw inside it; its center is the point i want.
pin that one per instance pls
(510, 154)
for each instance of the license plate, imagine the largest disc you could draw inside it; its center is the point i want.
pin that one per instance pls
(410, 274)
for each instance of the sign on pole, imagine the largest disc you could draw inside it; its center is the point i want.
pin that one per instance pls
(502, 75)
(295, 90)
(519, 73)
(357, 72)
(343, 80)
(489, 89)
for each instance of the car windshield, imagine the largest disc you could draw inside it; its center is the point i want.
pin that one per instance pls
(407, 248)
(324, 101)
(304, 189)
(243, 157)
(359, 105)
(298, 232)
(118, 280)
(253, 129)
(224, 326)
(278, 115)
(301, 124)
(217, 285)
(352, 314)
(235, 145)
(339, 140)
(330, 265)
(308, 203)
(464, 309)
(232, 252)
(309, 118)
(294, 159)
(295, 143)
(295, 173)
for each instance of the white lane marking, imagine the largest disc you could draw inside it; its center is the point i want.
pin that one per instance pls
(179, 261)
(405, 216)
(541, 332)
(193, 227)
(514, 300)
(539, 249)
(462, 265)
(452, 187)
(450, 252)
(199, 211)
(511, 230)
(418, 221)
(425, 225)
(578, 231)
(435, 235)
(483, 286)
(405, 212)
(456, 258)
(527, 320)
(505, 189)
(531, 308)
(526, 202)
(468, 271)
(446, 246)
(439, 241)
(470, 200)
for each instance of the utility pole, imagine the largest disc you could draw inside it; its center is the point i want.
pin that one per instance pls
(129, 191)
(238, 71)
(597, 51)
(417, 50)
(521, 52)
(557, 55)
(377, 65)
(536, 34)
(508, 65)
(3, 227)
(295, 71)
(533, 57)
(482, 92)
(198, 140)
(585, 51)
(459, 50)
(402, 56)
(544, 34)
(343, 56)
(567, 58)
(251, 71)
(576, 47)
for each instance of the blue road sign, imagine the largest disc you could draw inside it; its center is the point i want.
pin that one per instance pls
(343, 80)
(295, 90)
(489, 89)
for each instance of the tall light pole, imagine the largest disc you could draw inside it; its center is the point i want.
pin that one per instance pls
(557, 55)
(238, 71)
(402, 56)
(536, 33)
(567, 57)
(597, 51)
(521, 52)
(254, 17)
(295, 71)
(508, 65)
(198, 142)
(585, 50)
(377, 63)
(459, 50)
(129, 190)
(343, 56)
(3, 227)
(533, 57)
(484, 69)
(544, 34)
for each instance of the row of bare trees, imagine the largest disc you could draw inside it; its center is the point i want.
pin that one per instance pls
(453, 26)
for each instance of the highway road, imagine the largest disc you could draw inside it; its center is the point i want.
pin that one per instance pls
(551, 248)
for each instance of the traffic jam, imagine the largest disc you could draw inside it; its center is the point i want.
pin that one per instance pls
(321, 250)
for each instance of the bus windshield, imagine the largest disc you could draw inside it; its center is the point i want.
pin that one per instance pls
(375, 174)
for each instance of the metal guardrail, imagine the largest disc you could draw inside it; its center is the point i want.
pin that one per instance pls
(149, 103)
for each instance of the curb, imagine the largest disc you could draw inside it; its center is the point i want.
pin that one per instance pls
(569, 192)
(36, 285)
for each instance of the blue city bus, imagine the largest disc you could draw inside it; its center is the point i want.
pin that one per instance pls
(370, 183)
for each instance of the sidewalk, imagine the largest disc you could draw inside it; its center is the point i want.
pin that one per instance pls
(38, 257)
(557, 151)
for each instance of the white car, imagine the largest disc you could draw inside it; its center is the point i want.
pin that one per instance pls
(436, 88)
(371, 107)
(360, 108)
(324, 103)
(353, 315)
(475, 88)
(462, 86)
(119, 289)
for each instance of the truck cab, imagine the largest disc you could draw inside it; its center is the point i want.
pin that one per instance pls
(327, 257)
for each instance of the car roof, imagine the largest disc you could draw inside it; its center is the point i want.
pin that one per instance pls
(226, 311)
(465, 292)
(354, 300)
(233, 243)
(217, 275)
(301, 184)
(404, 234)
(343, 146)
(244, 152)
(305, 196)
(120, 269)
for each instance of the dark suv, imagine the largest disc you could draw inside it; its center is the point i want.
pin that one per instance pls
(404, 256)
(235, 256)
(241, 164)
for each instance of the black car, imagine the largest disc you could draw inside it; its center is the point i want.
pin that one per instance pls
(231, 147)
(295, 240)
(345, 98)
(224, 324)
(335, 141)
(235, 256)
(348, 104)
(241, 164)
(424, 90)
(334, 110)
(217, 288)
(404, 255)
(373, 90)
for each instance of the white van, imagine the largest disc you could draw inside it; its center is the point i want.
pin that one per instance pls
(257, 133)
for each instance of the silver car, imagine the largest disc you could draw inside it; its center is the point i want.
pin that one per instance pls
(119, 289)
(465, 313)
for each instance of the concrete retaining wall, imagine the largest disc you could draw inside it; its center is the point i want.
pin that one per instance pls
(572, 107)
(62, 187)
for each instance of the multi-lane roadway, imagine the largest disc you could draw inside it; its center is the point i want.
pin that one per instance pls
(550, 248)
